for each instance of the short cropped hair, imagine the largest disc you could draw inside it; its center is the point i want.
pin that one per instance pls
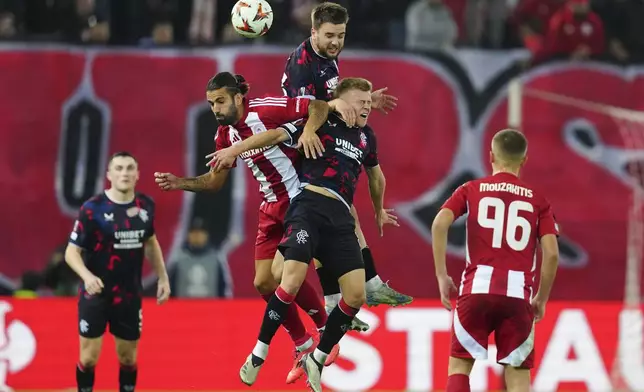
(234, 84)
(347, 84)
(510, 144)
(328, 12)
(122, 154)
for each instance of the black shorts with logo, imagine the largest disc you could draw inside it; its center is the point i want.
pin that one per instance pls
(321, 227)
(125, 316)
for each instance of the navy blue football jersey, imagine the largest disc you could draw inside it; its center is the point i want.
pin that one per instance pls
(113, 238)
(309, 74)
(346, 151)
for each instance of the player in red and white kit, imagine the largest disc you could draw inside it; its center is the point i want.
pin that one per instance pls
(274, 167)
(506, 220)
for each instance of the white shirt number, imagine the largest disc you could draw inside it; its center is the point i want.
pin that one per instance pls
(507, 224)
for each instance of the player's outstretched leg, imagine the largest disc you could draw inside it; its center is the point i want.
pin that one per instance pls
(353, 297)
(266, 285)
(126, 352)
(89, 353)
(276, 312)
(332, 296)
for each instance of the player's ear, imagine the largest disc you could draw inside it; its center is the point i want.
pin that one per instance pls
(239, 99)
(525, 159)
(491, 157)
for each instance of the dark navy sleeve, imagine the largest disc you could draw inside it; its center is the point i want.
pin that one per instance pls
(294, 131)
(83, 234)
(371, 159)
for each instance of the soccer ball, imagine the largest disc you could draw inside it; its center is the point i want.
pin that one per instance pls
(252, 18)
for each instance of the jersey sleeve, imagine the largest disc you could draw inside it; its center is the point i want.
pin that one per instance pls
(457, 203)
(294, 131)
(547, 222)
(151, 209)
(281, 110)
(222, 140)
(371, 159)
(82, 234)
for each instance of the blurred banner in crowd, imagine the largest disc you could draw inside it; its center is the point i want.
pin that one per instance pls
(405, 349)
(64, 110)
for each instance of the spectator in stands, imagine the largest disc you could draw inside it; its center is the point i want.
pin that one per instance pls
(430, 26)
(531, 19)
(486, 18)
(202, 22)
(8, 28)
(624, 21)
(575, 31)
(58, 276)
(197, 270)
(29, 285)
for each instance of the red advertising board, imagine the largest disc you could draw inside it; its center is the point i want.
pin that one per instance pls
(200, 345)
(63, 111)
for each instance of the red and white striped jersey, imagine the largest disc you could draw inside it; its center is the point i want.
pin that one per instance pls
(273, 166)
(506, 218)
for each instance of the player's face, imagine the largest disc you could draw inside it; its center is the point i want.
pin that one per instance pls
(123, 173)
(223, 106)
(329, 39)
(361, 102)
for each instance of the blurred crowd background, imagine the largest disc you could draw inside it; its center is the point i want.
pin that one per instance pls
(606, 30)
(579, 28)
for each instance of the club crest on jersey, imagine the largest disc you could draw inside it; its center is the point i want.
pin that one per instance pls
(143, 214)
(363, 140)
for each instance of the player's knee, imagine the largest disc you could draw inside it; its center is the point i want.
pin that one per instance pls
(127, 358)
(264, 283)
(354, 298)
(89, 357)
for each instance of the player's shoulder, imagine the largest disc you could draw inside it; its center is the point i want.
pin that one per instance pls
(144, 200)
(368, 130)
(268, 101)
(300, 56)
(222, 131)
(94, 201)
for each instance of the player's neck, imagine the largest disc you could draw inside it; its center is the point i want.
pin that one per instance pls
(120, 197)
(498, 170)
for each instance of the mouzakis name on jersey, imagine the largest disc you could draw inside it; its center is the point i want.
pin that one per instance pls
(344, 147)
(129, 239)
(505, 187)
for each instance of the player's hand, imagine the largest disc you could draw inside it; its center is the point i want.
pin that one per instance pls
(93, 285)
(167, 181)
(538, 307)
(383, 102)
(222, 159)
(385, 217)
(446, 286)
(311, 144)
(348, 113)
(163, 291)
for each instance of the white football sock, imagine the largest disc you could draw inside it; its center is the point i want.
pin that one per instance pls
(331, 301)
(374, 283)
(306, 345)
(320, 356)
(260, 350)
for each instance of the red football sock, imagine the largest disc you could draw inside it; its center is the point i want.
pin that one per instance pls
(293, 323)
(310, 301)
(458, 383)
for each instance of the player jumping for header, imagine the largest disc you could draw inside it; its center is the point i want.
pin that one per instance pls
(506, 219)
(312, 70)
(113, 234)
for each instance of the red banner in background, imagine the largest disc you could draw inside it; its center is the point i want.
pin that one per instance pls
(57, 129)
(206, 342)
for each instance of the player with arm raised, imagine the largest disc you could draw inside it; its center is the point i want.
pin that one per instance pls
(112, 235)
(319, 225)
(274, 167)
(312, 70)
(506, 220)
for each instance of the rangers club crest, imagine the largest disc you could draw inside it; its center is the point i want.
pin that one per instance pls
(363, 140)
